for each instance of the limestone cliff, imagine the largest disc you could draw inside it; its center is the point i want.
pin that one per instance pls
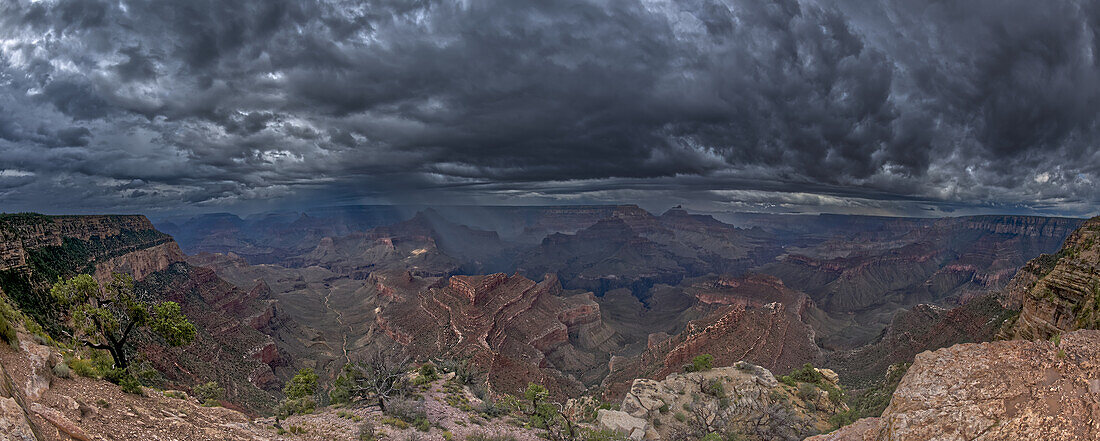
(1061, 292)
(36, 250)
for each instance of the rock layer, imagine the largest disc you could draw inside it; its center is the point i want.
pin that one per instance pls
(515, 329)
(1004, 390)
(1060, 293)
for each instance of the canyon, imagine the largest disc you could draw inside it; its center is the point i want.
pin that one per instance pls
(585, 300)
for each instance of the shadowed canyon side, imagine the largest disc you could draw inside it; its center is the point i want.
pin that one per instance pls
(40, 249)
(1041, 384)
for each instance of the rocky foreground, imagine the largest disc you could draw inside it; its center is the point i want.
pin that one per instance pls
(1004, 390)
(38, 404)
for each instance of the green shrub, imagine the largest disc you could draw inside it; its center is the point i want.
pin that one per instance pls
(130, 385)
(836, 395)
(713, 437)
(870, 402)
(700, 363)
(304, 384)
(61, 370)
(679, 416)
(465, 373)
(716, 388)
(9, 316)
(209, 394)
(428, 370)
(427, 373)
(7, 333)
(341, 391)
(115, 375)
(842, 419)
(664, 408)
(83, 368)
(296, 406)
(102, 362)
(807, 374)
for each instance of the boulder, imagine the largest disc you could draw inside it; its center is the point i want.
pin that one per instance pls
(13, 423)
(622, 422)
(829, 375)
(38, 363)
(645, 397)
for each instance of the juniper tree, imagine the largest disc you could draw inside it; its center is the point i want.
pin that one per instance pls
(105, 317)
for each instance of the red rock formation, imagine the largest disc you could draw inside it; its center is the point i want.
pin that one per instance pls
(513, 328)
(755, 319)
(24, 232)
(1060, 293)
(229, 320)
(140, 263)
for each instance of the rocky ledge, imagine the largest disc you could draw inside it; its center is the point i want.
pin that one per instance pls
(1004, 390)
(744, 399)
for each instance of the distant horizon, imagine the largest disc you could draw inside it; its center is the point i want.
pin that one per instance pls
(416, 208)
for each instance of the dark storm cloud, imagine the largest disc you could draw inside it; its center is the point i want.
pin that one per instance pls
(141, 105)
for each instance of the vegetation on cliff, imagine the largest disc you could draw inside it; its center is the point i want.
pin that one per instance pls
(105, 317)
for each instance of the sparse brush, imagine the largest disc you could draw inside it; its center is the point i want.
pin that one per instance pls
(489, 437)
(61, 370)
(807, 392)
(367, 432)
(406, 409)
(491, 409)
(209, 394)
(296, 406)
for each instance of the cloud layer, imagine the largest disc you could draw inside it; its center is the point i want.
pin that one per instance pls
(897, 107)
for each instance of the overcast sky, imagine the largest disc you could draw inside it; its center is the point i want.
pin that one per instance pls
(896, 107)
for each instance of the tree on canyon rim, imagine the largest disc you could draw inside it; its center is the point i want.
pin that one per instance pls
(104, 317)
